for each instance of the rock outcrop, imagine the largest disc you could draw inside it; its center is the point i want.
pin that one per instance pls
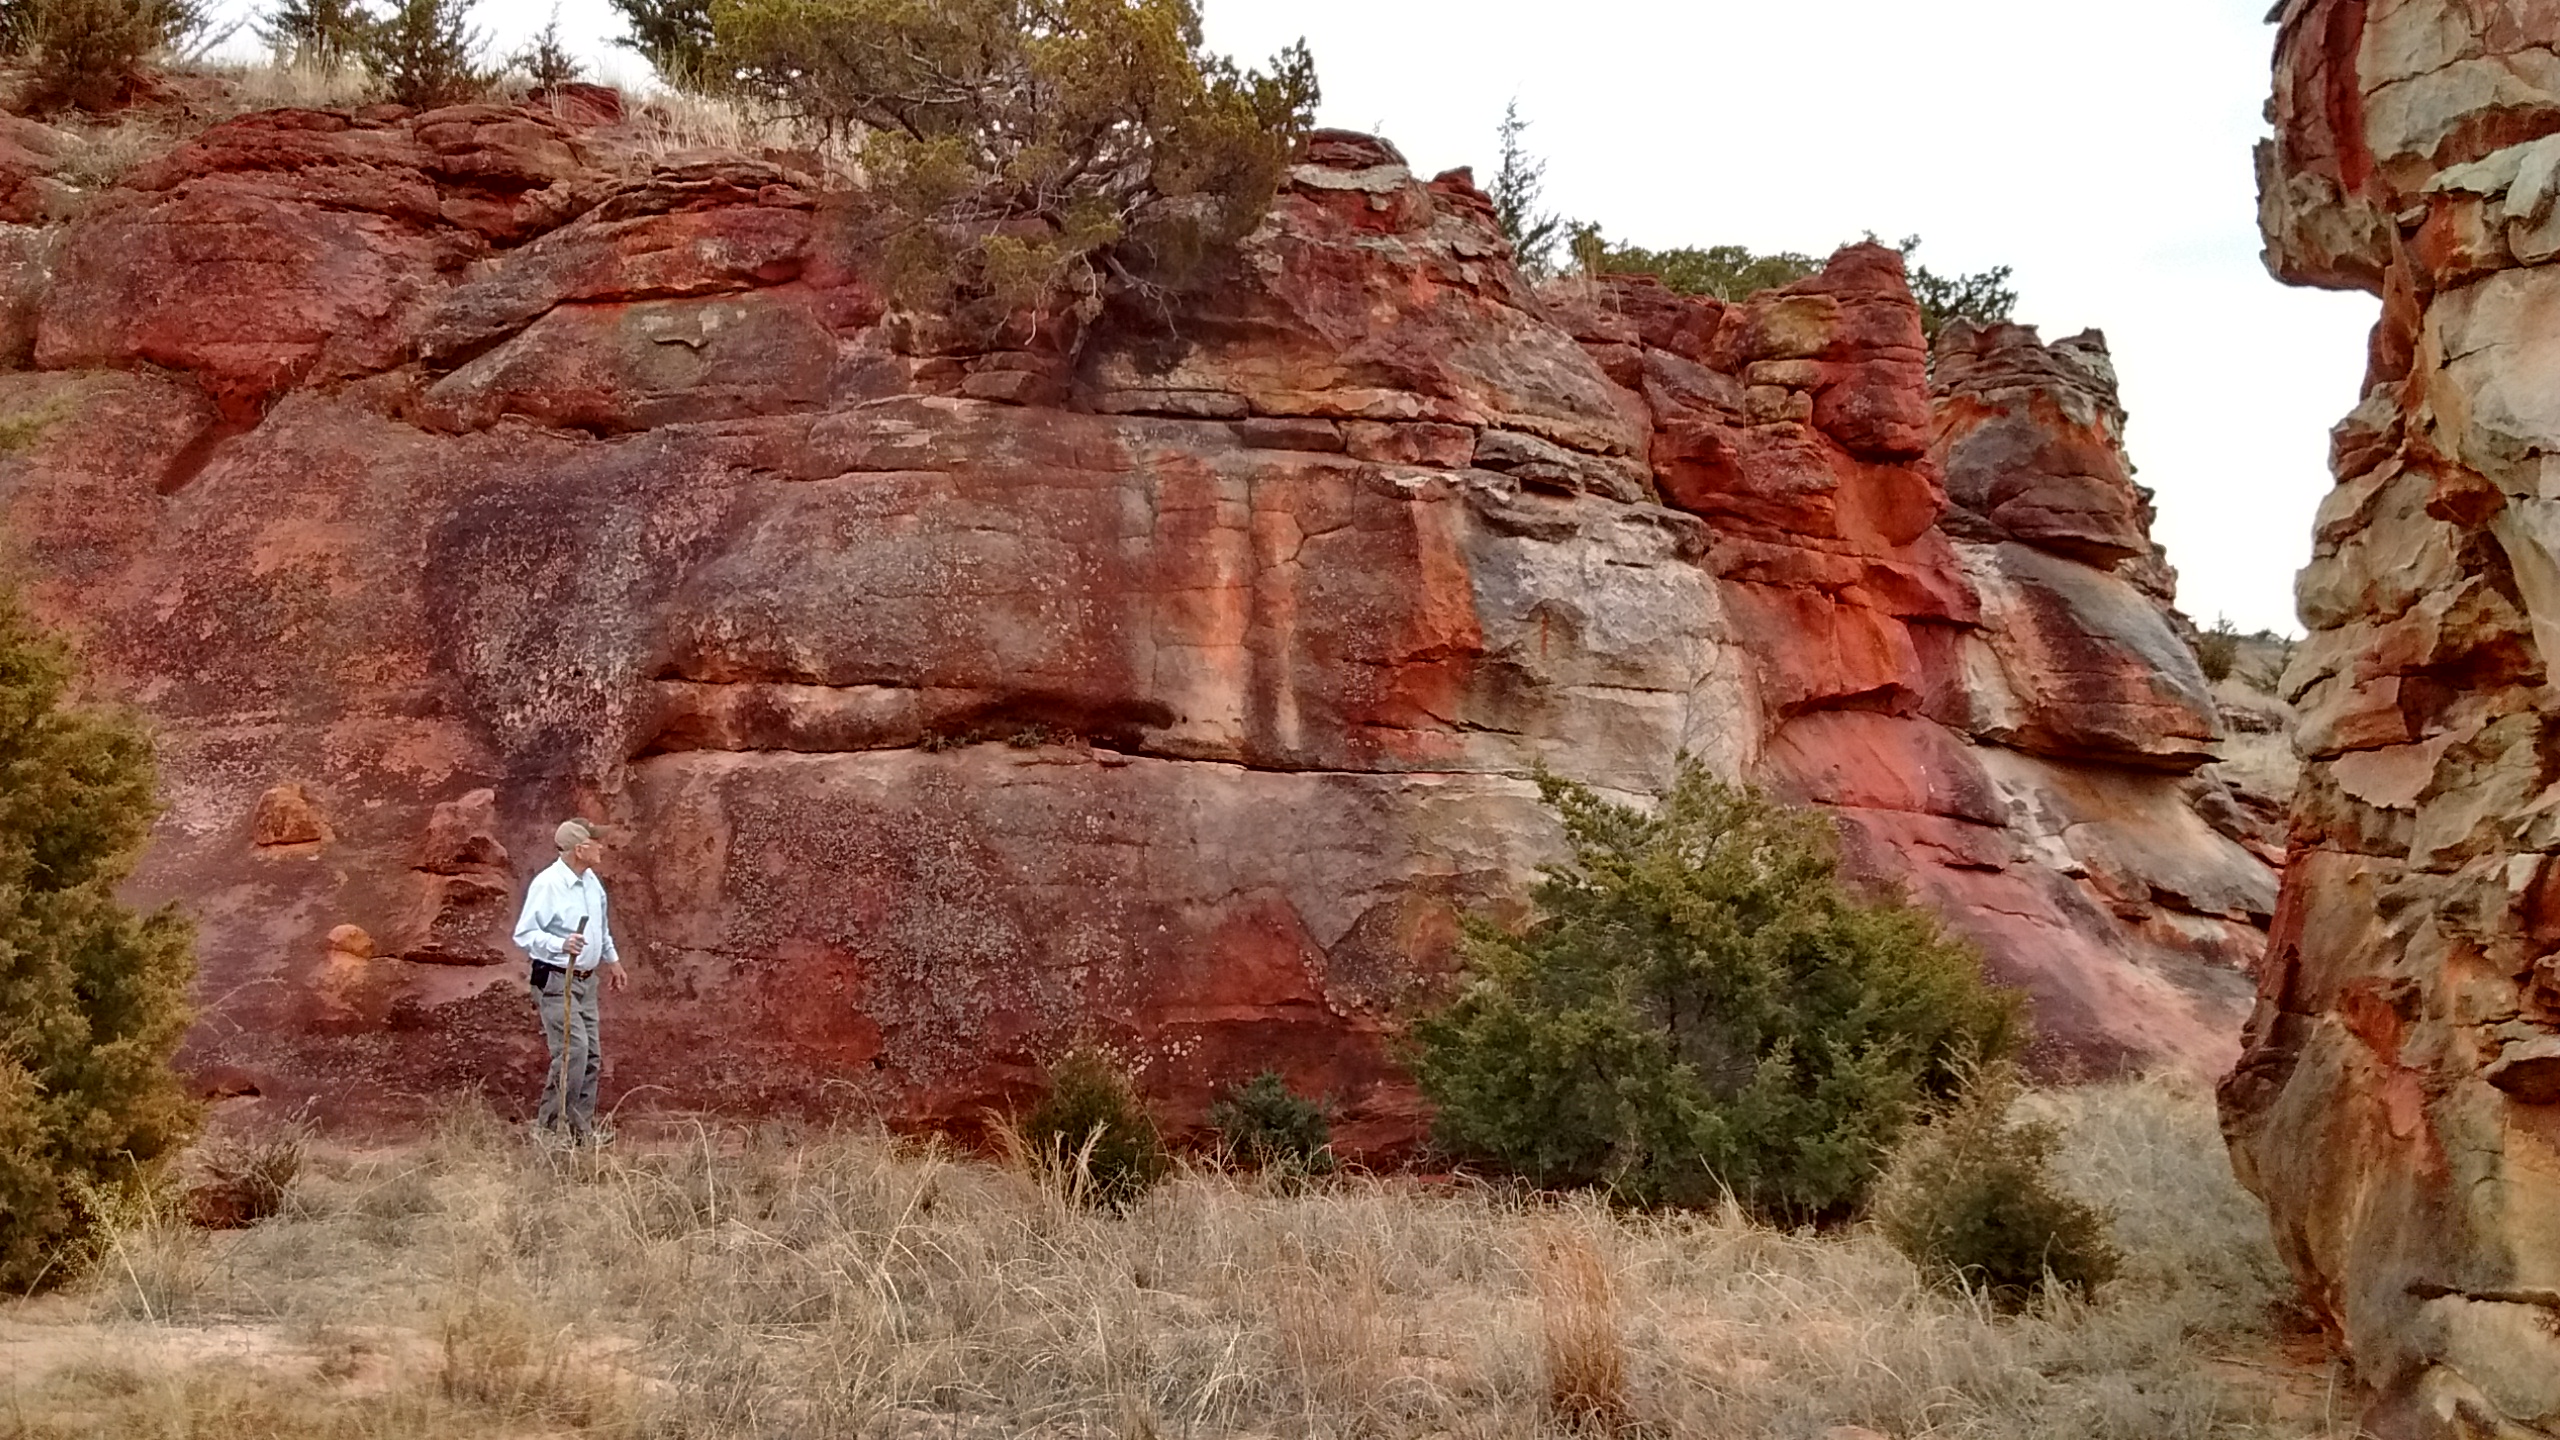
(2394, 1104)
(1979, 675)
(1169, 675)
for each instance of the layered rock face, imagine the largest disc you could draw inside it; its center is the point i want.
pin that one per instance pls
(2396, 1103)
(1958, 636)
(1170, 677)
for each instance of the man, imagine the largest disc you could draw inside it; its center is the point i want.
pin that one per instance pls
(562, 930)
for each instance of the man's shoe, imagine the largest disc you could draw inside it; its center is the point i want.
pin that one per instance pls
(598, 1136)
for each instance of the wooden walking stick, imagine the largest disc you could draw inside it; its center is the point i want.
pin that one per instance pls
(568, 1007)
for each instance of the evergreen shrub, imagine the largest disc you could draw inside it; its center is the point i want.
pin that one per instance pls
(1093, 1133)
(546, 61)
(1020, 151)
(1972, 1198)
(425, 53)
(91, 53)
(1519, 181)
(1266, 1125)
(1702, 1006)
(93, 997)
(2218, 650)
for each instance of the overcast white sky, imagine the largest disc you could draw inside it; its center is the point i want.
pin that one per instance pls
(2101, 150)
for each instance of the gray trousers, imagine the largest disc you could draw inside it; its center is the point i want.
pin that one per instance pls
(585, 1059)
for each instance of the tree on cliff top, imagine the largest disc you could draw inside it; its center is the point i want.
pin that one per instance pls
(1735, 272)
(93, 998)
(674, 35)
(1980, 296)
(91, 53)
(1025, 147)
(425, 53)
(1727, 272)
(1519, 182)
(316, 34)
(1701, 1005)
(545, 60)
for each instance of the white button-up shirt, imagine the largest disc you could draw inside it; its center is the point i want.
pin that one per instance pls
(553, 905)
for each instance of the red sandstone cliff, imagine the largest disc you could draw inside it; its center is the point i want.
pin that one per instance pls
(1172, 678)
(1956, 635)
(2398, 1105)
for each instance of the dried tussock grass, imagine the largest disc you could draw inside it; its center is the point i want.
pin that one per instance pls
(242, 1178)
(103, 149)
(107, 150)
(1586, 1354)
(670, 124)
(767, 1283)
(1335, 1344)
(278, 85)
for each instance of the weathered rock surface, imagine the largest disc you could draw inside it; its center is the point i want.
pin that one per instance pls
(30, 155)
(286, 816)
(1985, 686)
(2395, 1102)
(1173, 678)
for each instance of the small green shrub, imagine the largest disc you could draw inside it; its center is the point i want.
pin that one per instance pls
(93, 998)
(91, 53)
(546, 61)
(1035, 735)
(1093, 1132)
(2268, 676)
(1972, 1199)
(1268, 1126)
(1700, 1006)
(2218, 650)
(425, 53)
(20, 431)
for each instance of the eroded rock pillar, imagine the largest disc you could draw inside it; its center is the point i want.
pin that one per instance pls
(2395, 1103)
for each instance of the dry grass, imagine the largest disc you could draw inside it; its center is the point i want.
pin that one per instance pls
(659, 127)
(272, 85)
(1585, 1353)
(106, 151)
(764, 1284)
(668, 124)
(243, 1178)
